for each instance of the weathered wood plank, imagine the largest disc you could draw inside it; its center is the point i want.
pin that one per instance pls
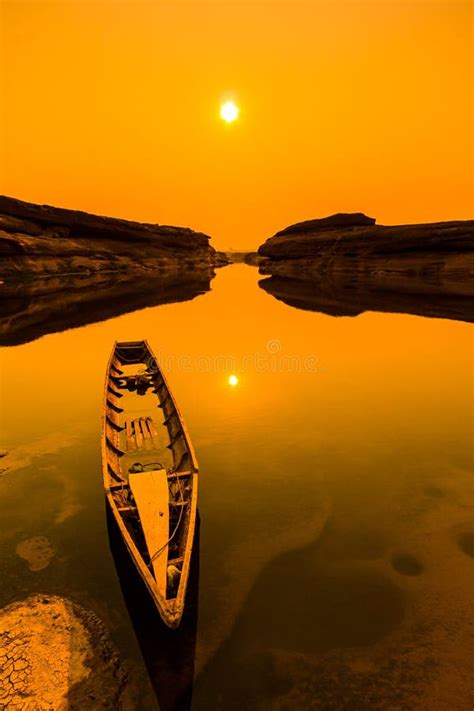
(131, 444)
(138, 433)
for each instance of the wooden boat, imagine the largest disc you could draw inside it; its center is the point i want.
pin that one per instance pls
(150, 474)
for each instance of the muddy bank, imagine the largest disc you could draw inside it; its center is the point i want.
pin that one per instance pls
(32, 308)
(55, 654)
(39, 239)
(346, 264)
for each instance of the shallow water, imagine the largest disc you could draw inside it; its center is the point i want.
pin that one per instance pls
(335, 543)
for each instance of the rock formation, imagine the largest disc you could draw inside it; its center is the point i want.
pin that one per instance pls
(334, 222)
(346, 264)
(38, 239)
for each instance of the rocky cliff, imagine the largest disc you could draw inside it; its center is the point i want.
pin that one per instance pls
(39, 239)
(346, 264)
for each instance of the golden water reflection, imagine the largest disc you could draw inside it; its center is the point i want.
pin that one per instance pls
(335, 501)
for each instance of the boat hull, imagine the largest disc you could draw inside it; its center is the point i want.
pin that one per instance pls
(182, 474)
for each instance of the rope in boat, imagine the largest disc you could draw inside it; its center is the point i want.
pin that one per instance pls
(161, 549)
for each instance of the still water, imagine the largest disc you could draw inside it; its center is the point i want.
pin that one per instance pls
(335, 552)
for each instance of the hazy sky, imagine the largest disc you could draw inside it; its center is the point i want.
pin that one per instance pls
(113, 107)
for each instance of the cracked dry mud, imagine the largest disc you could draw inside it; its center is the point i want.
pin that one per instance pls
(54, 654)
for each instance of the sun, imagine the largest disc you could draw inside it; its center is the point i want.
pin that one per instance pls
(233, 380)
(229, 112)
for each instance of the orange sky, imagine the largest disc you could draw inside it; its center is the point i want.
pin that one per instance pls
(113, 107)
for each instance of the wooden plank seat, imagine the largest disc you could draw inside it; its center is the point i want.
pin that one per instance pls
(151, 427)
(140, 430)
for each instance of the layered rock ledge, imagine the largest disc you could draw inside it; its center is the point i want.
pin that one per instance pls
(39, 239)
(345, 264)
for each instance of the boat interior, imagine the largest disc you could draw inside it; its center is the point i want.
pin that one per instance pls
(148, 461)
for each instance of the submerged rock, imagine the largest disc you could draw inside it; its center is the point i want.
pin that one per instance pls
(36, 551)
(54, 654)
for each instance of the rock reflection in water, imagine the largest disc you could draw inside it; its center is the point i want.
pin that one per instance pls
(168, 654)
(35, 307)
(345, 295)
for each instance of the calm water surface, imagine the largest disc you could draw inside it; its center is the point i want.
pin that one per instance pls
(335, 553)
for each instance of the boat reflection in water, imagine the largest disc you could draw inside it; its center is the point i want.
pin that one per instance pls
(168, 654)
